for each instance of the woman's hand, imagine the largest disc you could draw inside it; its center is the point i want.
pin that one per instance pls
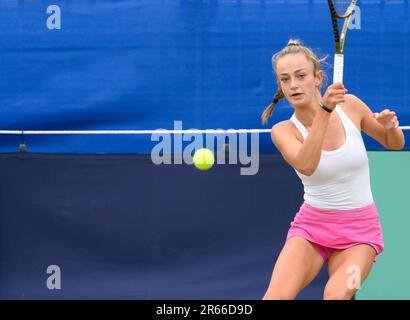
(387, 119)
(334, 95)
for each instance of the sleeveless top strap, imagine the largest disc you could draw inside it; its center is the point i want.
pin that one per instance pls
(343, 117)
(300, 126)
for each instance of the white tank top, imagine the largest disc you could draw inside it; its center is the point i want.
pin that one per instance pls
(341, 181)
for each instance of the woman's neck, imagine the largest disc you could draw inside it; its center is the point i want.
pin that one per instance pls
(307, 113)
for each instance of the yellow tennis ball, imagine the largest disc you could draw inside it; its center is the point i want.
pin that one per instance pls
(203, 159)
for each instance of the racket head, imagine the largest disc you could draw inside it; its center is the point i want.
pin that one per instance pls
(342, 8)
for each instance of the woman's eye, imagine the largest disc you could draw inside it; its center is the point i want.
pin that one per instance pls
(301, 76)
(284, 79)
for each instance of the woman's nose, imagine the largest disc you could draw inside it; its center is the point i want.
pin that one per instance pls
(293, 83)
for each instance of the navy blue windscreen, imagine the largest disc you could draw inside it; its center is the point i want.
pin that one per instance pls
(120, 227)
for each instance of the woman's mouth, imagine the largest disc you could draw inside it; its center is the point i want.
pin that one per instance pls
(297, 96)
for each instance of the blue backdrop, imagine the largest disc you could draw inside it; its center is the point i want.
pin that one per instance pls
(144, 64)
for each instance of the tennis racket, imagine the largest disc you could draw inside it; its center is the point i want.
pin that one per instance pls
(340, 9)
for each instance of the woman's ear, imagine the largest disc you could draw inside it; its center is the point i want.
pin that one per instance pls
(319, 78)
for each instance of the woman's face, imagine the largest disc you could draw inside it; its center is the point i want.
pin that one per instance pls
(296, 78)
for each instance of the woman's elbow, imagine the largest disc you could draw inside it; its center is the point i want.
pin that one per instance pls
(397, 148)
(306, 171)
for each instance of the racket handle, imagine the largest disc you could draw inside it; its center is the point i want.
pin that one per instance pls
(338, 68)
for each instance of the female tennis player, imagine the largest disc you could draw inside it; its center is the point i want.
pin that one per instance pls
(338, 222)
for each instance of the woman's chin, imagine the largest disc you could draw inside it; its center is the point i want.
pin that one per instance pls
(299, 102)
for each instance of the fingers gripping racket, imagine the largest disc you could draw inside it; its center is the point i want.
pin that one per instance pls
(340, 9)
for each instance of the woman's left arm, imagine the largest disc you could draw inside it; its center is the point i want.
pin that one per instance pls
(383, 126)
(394, 135)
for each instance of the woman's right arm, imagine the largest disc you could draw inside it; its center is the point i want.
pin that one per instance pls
(304, 157)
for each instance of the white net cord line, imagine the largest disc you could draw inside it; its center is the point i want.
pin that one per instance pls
(131, 132)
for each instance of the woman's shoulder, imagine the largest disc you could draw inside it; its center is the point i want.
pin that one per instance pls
(352, 108)
(286, 127)
(351, 103)
(283, 125)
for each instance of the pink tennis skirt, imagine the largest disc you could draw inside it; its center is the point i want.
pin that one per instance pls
(330, 230)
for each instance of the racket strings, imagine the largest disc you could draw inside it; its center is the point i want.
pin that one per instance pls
(343, 8)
